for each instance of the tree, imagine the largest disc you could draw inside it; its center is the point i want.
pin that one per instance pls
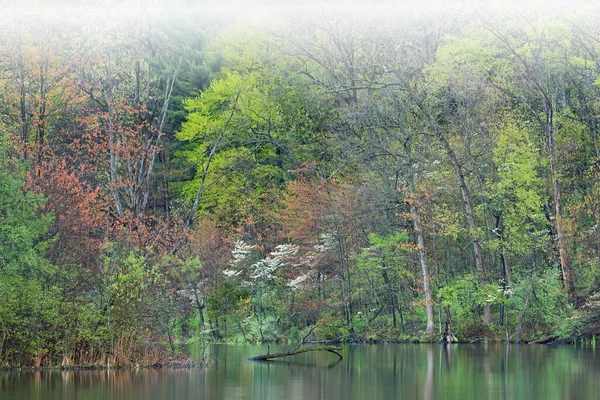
(535, 87)
(458, 113)
(387, 255)
(243, 133)
(25, 274)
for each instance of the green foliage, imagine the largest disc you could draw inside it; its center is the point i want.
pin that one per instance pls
(244, 133)
(463, 298)
(518, 192)
(385, 251)
(29, 305)
(549, 309)
(357, 133)
(134, 307)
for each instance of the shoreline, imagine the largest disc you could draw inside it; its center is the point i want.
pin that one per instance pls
(189, 364)
(156, 366)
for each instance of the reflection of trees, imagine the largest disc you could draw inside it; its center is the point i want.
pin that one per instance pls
(368, 372)
(293, 364)
(447, 353)
(428, 392)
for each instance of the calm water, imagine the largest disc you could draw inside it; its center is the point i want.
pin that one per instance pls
(367, 372)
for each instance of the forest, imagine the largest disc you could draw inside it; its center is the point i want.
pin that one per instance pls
(205, 177)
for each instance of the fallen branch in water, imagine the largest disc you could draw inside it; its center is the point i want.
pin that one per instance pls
(590, 333)
(544, 340)
(297, 350)
(332, 349)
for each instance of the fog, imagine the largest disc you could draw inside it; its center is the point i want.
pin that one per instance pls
(78, 11)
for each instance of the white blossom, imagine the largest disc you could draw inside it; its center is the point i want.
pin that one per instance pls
(327, 243)
(284, 250)
(240, 252)
(265, 268)
(231, 272)
(297, 283)
(504, 289)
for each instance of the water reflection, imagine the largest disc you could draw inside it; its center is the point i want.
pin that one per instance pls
(366, 372)
(279, 363)
(428, 390)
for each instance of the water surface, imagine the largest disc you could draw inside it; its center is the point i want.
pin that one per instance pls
(367, 372)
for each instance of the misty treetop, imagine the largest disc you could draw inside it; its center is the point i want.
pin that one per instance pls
(388, 176)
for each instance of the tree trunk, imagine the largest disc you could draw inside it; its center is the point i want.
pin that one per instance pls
(344, 278)
(468, 208)
(332, 349)
(560, 235)
(112, 143)
(521, 319)
(448, 336)
(505, 270)
(425, 271)
(200, 306)
(299, 350)
(416, 219)
(534, 76)
(22, 104)
(136, 94)
(390, 291)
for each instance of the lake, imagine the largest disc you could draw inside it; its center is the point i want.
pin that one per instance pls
(367, 372)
